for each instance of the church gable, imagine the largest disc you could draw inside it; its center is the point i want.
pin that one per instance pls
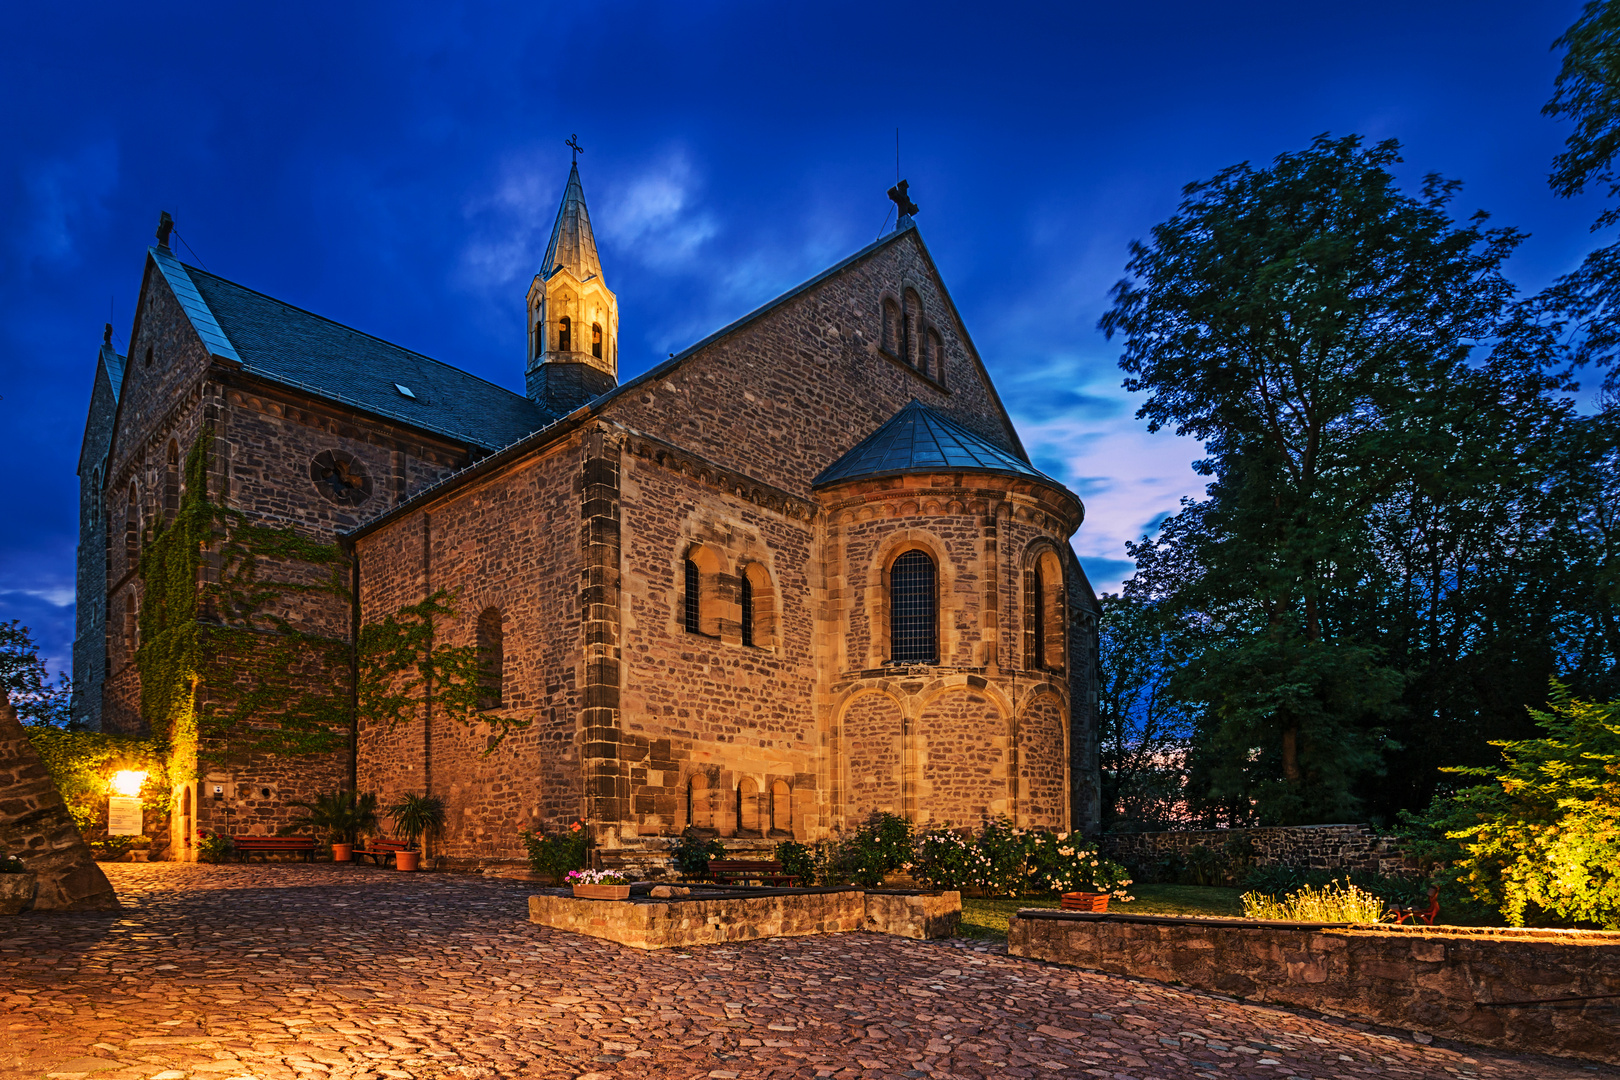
(787, 390)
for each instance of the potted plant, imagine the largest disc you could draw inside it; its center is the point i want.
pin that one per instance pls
(342, 815)
(16, 885)
(414, 817)
(1086, 878)
(599, 885)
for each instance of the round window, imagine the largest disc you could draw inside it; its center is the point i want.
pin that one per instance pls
(340, 478)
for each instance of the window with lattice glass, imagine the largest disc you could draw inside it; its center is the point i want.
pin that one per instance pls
(913, 610)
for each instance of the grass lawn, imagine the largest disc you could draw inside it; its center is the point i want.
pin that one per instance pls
(987, 917)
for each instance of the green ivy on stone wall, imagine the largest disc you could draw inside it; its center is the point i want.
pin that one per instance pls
(82, 762)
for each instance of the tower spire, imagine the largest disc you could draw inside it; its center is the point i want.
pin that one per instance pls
(573, 316)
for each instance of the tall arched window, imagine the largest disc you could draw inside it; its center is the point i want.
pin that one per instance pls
(913, 610)
(747, 597)
(700, 802)
(693, 599)
(934, 364)
(539, 338)
(132, 525)
(891, 327)
(748, 806)
(911, 328)
(781, 808)
(596, 340)
(1034, 619)
(565, 334)
(491, 659)
(171, 483)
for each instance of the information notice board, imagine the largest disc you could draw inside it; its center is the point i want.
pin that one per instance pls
(123, 816)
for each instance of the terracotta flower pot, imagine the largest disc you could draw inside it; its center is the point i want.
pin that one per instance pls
(1085, 901)
(342, 852)
(602, 892)
(407, 860)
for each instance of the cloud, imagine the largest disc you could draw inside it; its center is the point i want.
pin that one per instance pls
(654, 215)
(57, 596)
(66, 195)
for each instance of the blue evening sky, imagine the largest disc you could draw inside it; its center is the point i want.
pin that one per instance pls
(396, 167)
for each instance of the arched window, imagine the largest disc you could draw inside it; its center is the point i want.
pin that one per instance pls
(748, 807)
(913, 610)
(911, 328)
(758, 605)
(171, 483)
(491, 659)
(565, 334)
(747, 598)
(693, 599)
(596, 340)
(781, 808)
(132, 525)
(700, 803)
(934, 365)
(149, 356)
(891, 327)
(1044, 607)
(539, 338)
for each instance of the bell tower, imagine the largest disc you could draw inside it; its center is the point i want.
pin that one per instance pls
(573, 317)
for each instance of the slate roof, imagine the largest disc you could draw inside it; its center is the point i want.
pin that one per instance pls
(919, 440)
(115, 368)
(573, 245)
(288, 345)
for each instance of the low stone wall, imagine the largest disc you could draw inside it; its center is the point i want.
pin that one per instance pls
(1482, 986)
(1315, 847)
(682, 922)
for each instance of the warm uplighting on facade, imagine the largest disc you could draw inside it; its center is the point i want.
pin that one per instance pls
(128, 783)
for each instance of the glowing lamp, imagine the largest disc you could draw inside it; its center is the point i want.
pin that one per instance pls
(128, 783)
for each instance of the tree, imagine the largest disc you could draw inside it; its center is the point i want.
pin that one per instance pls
(1143, 728)
(1313, 326)
(27, 681)
(1587, 91)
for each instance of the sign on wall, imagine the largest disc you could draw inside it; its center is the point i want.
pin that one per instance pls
(123, 816)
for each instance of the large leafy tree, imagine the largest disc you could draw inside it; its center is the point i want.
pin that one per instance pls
(1313, 325)
(1143, 727)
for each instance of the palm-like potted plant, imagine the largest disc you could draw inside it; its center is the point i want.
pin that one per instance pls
(416, 816)
(341, 814)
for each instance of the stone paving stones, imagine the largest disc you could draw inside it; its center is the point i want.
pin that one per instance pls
(323, 972)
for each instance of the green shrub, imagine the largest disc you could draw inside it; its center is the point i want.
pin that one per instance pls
(797, 859)
(692, 852)
(338, 814)
(112, 848)
(1540, 841)
(880, 846)
(213, 848)
(1335, 902)
(1280, 879)
(557, 854)
(943, 859)
(1206, 866)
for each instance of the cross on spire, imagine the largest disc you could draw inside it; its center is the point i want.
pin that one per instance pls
(573, 144)
(902, 201)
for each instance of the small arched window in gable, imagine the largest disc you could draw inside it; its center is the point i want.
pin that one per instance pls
(911, 329)
(934, 362)
(747, 600)
(700, 803)
(748, 807)
(132, 525)
(171, 483)
(491, 659)
(565, 334)
(693, 599)
(913, 610)
(891, 327)
(596, 340)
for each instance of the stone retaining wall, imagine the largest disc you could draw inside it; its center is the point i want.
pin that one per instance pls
(698, 920)
(1315, 847)
(1450, 981)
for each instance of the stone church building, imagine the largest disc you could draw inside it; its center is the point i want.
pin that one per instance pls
(798, 573)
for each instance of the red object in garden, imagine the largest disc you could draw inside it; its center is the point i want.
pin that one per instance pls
(1425, 915)
(1085, 901)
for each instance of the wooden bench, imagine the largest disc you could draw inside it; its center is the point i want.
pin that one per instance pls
(382, 849)
(742, 871)
(244, 846)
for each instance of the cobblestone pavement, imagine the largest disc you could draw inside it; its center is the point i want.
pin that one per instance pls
(333, 972)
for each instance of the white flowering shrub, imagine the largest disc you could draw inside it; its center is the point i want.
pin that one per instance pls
(1007, 861)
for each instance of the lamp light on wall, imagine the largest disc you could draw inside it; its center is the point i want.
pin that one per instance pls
(128, 783)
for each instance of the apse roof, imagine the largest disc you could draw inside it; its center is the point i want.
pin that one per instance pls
(288, 345)
(917, 439)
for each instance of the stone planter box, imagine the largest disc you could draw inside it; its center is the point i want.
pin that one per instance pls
(1488, 986)
(17, 893)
